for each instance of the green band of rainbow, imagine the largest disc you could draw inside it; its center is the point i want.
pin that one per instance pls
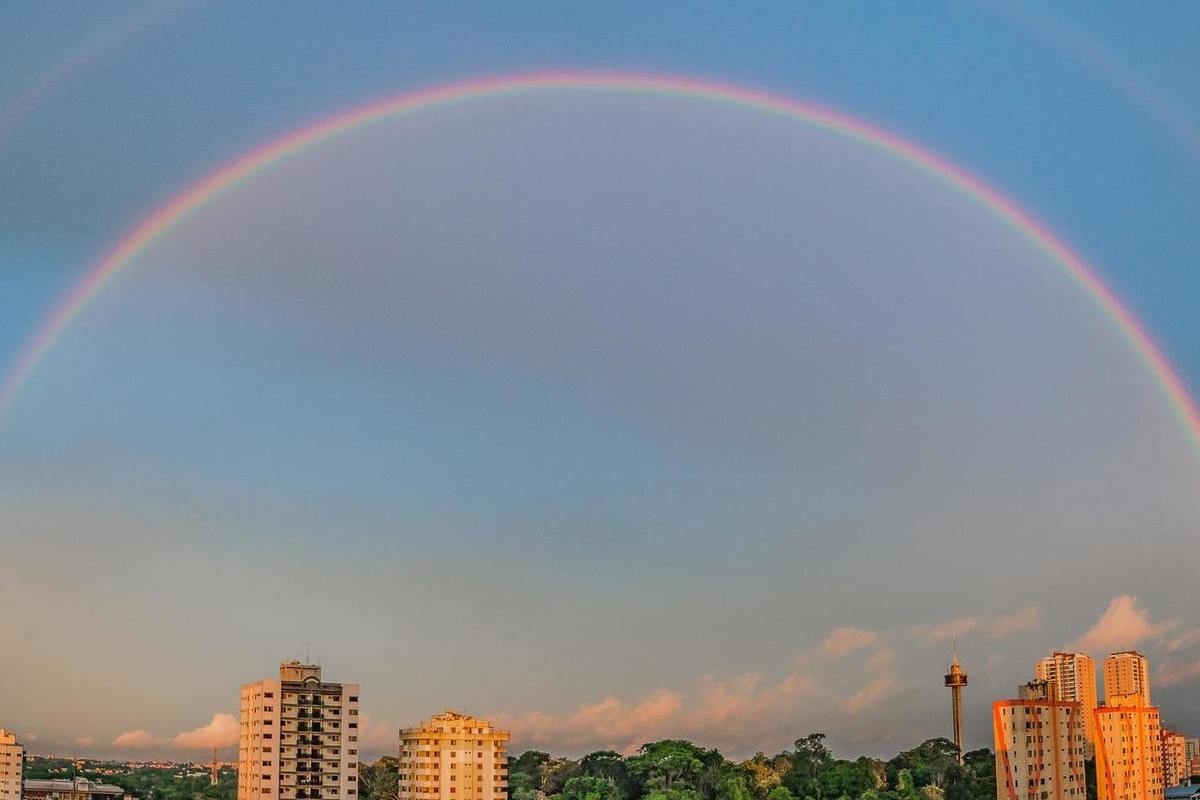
(178, 208)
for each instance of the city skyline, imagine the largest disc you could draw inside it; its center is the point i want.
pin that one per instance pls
(378, 737)
(606, 372)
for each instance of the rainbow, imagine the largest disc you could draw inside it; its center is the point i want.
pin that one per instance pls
(178, 208)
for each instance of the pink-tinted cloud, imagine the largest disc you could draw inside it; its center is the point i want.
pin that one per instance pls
(377, 736)
(719, 709)
(882, 660)
(1027, 619)
(85, 741)
(1183, 641)
(845, 640)
(869, 695)
(1184, 673)
(222, 731)
(609, 723)
(29, 736)
(1123, 625)
(943, 631)
(137, 740)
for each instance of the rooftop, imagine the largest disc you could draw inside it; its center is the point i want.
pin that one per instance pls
(65, 785)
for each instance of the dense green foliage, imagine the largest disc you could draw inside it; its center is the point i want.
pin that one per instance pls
(674, 769)
(149, 782)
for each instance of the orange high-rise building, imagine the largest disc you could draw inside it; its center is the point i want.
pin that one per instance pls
(1126, 673)
(1074, 675)
(1128, 750)
(1040, 745)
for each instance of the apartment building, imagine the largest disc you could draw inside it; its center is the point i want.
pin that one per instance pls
(1126, 673)
(1175, 766)
(453, 756)
(298, 738)
(12, 766)
(1128, 750)
(1040, 745)
(1074, 676)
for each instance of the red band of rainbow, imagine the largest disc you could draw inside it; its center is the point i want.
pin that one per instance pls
(179, 207)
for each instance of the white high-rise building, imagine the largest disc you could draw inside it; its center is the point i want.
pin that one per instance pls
(12, 766)
(453, 757)
(299, 737)
(1074, 676)
(1040, 745)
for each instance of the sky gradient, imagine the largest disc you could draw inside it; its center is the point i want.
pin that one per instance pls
(610, 417)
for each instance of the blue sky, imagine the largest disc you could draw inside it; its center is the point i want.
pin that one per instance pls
(690, 435)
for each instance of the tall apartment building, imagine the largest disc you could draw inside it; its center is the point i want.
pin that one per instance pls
(12, 766)
(1128, 750)
(1175, 766)
(453, 756)
(299, 737)
(1126, 673)
(1074, 675)
(1040, 745)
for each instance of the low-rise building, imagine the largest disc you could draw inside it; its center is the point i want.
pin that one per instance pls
(67, 789)
(1174, 758)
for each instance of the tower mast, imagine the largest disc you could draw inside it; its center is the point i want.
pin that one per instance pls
(956, 679)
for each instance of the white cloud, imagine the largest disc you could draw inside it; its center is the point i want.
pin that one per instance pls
(222, 731)
(845, 640)
(1027, 619)
(1123, 625)
(137, 740)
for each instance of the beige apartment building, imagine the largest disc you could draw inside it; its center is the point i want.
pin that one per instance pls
(1074, 675)
(1175, 766)
(1040, 745)
(1128, 750)
(12, 766)
(1126, 673)
(298, 738)
(453, 756)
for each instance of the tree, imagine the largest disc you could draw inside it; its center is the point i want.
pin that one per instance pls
(845, 779)
(779, 793)
(590, 787)
(668, 764)
(733, 786)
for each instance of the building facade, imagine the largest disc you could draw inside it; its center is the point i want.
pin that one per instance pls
(298, 737)
(1040, 745)
(1128, 751)
(12, 766)
(1074, 676)
(1126, 673)
(453, 756)
(78, 789)
(1175, 766)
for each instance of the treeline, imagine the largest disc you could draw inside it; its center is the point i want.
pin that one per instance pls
(675, 769)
